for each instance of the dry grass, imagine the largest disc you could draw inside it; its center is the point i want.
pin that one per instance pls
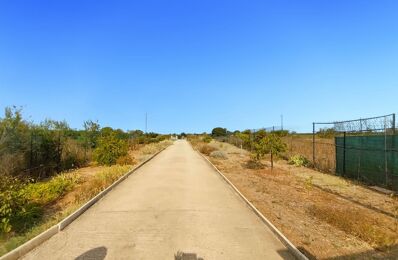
(206, 149)
(325, 150)
(100, 181)
(155, 147)
(358, 222)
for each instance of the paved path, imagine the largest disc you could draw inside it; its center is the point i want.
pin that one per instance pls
(176, 202)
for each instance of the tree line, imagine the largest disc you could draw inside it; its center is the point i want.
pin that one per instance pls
(39, 150)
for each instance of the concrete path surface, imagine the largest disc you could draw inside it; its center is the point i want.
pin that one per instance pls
(175, 203)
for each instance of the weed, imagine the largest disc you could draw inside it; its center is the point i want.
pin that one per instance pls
(308, 183)
(218, 155)
(101, 181)
(207, 139)
(298, 160)
(126, 160)
(206, 149)
(254, 164)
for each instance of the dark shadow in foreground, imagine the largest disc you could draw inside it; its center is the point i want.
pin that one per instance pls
(286, 254)
(186, 256)
(97, 253)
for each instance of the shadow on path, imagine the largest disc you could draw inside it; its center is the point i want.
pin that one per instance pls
(186, 256)
(97, 253)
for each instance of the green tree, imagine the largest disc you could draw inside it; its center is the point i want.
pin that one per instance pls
(270, 143)
(91, 133)
(275, 146)
(14, 140)
(219, 131)
(245, 138)
(110, 148)
(14, 131)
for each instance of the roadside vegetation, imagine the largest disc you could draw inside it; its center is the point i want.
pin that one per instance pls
(48, 169)
(325, 216)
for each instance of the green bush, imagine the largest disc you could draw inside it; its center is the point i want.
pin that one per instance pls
(12, 202)
(109, 149)
(22, 204)
(253, 164)
(46, 192)
(299, 160)
(207, 139)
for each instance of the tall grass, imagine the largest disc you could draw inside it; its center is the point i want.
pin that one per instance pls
(101, 181)
(357, 223)
(155, 147)
(325, 151)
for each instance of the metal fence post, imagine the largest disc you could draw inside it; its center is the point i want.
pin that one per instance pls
(313, 144)
(344, 147)
(385, 151)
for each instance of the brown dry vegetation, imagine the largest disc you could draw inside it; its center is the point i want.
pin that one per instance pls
(325, 216)
(325, 150)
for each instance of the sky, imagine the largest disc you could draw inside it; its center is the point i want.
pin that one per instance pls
(195, 65)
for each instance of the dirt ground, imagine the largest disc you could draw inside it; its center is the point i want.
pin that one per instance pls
(325, 216)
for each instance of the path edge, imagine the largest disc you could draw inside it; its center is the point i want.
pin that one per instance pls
(290, 246)
(45, 235)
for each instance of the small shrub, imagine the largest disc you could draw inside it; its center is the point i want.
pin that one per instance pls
(207, 139)
(299, 160)
(218, 155)
(308, 183)
(254, 164)
(125, 160)
(109, 149)
(12, 201)
(206, 149)
(46, 192)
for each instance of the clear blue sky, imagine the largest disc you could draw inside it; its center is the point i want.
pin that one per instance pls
(194, 65)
